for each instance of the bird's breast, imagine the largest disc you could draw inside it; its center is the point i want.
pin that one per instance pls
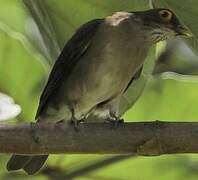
(107, 67)
(117, 60)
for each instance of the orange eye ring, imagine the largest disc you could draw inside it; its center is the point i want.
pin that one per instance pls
(166, 15)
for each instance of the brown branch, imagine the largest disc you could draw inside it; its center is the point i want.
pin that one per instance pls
(139, 138)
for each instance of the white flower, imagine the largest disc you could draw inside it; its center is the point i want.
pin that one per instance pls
(8, 109)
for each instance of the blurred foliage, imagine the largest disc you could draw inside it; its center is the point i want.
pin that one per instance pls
(177, 57)
(65, 22)
(31, 39)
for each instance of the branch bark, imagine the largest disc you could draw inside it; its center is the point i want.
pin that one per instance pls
(137, 138)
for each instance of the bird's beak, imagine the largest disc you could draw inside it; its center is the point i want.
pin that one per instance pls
(182, 31)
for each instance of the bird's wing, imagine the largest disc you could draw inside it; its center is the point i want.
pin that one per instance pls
(135, 77)
(69, 56)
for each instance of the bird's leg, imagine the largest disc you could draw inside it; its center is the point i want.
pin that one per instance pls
(74, 121)
(33, 127)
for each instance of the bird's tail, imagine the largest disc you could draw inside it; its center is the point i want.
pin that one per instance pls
(30, 164)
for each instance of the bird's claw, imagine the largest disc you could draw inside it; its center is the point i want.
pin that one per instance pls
(33, 127)
(115, 121)
(76, 122)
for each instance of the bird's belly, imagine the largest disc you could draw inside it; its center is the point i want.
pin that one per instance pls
(102, 74)
(99, 79)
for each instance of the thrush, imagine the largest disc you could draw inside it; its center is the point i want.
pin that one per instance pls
(96, 67)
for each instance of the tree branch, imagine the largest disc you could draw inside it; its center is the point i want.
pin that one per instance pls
(138, 138)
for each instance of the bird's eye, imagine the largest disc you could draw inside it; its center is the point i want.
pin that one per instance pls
(165, 15)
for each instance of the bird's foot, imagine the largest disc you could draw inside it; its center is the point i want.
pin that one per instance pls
(75, 122)
(33, 127)
(116, 121)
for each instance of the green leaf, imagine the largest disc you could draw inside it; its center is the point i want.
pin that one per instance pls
(58, 20)
(13, 14)
(167, 99)
(20, 70)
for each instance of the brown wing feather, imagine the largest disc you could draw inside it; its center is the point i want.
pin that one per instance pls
(69, 56)
(135, 77)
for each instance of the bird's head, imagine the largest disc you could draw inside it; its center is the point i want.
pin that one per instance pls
(160, 24)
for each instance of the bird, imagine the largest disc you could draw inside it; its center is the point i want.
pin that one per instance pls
(95, 68)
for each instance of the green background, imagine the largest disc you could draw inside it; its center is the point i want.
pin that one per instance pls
(32, 33)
